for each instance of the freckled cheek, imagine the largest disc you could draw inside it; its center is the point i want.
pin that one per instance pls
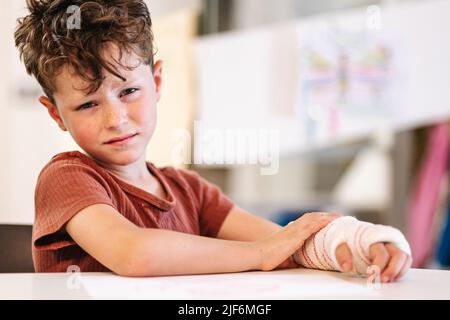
(85, 134)
(146, 116)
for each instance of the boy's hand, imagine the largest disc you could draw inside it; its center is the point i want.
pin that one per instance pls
(277, 249)
(392, 261)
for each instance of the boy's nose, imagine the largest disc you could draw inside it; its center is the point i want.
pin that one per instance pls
(115, 115)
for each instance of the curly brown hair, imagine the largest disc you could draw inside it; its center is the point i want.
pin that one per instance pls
(46, 43)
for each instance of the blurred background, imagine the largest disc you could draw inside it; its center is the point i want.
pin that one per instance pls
(345, 104)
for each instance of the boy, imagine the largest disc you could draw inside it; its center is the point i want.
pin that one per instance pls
(107, 209)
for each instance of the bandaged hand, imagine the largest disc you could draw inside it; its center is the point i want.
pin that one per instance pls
(349, 245)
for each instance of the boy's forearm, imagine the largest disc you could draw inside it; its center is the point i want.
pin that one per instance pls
(162, 252)
(236, 227)
(264, 228)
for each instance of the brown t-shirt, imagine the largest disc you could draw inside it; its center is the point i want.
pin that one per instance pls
(72, 181)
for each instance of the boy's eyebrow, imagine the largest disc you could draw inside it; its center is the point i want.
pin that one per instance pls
(128, 78)
(114, 85)
(91, 96)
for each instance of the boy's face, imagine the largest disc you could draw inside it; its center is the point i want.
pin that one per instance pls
(117, 110)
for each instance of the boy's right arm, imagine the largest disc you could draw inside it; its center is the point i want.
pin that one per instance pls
(129, 250)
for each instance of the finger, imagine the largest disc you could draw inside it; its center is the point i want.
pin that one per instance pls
(308, 224)
(379, 256)
(317, 224)
(333, 215)
(315, 215)
(405, 268)
(344, 257)
(398, 259)
(315, 220)
(336, 214)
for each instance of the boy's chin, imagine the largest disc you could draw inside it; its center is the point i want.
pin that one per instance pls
(123, 158)
(118, 158)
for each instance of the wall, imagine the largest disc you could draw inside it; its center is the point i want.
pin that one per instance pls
(5, 167)
(174, 35)
(268, 90)
(160, 8)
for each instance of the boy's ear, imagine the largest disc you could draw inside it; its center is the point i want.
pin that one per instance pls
(52, 111)
(157, 77)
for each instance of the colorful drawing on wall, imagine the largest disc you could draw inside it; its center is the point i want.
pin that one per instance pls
(345, 75)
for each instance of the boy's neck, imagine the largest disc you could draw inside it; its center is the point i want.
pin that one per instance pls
(135, 173)
(132, 173)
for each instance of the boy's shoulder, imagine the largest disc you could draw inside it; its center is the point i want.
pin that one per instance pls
(67, 159)
(71, 166)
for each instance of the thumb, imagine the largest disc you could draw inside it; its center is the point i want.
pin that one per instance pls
(344, 257)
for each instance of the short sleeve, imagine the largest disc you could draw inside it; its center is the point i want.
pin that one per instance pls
(63, 189)
(213, 204)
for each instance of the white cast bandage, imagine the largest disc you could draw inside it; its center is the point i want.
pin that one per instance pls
(318, 251)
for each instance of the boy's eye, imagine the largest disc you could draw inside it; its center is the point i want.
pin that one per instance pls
(87, 105)
(128, 92)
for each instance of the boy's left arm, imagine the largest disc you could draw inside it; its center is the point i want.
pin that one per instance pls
(241, 225)
(244, 226)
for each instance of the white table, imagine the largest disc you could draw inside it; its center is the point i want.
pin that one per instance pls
(283, 284)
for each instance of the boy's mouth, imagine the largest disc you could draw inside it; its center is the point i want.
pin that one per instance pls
(122, 138)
